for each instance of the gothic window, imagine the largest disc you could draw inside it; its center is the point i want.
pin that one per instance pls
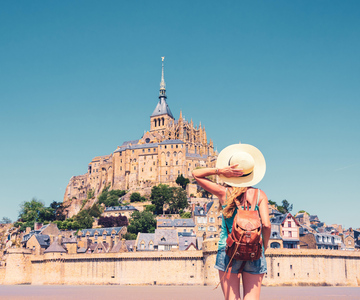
(155, 122)
(163, 121)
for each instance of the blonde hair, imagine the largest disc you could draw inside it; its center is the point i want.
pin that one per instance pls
(230, 203)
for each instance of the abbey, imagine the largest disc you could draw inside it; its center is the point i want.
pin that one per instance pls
(170, 148)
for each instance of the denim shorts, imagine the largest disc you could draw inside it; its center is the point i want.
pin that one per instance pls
(253, 267)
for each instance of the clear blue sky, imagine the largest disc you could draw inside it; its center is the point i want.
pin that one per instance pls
(78, 78)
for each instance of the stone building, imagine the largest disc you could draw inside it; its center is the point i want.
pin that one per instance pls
(208, 219)
(116, 211)
(287, 227)
(170, 148)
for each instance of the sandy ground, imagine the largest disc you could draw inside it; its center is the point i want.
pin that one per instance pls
(166, 292)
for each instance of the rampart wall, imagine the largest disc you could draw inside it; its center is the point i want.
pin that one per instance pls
(285, 267)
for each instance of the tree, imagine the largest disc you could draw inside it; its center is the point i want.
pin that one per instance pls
(303, 211)
(160, 195)
(136, 197)
(110, 198)
(178, 200)
(5, 220)
(111, 221)
(144, 222)
(182, 181)
(130, 236)
(272, 202)
(286, 207)
(84, 219)
(185, 215)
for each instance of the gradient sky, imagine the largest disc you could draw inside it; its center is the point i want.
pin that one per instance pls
(78, 78)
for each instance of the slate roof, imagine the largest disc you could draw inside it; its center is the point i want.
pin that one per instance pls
(146, 237)
(71, 240)
(175, 223)
(199, 211)
(162, 108)
(43, 239)
(100, 231)
(116, 208)
(81, 250)
(166, 237)
(185, 240)
(166, 142)
(278, 219)
(55, 248)
(26, 237)
(314, 218)
(136, 146)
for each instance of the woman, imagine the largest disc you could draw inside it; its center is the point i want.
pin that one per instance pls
(240, 166)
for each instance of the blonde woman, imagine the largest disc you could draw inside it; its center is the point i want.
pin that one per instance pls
(239, 166)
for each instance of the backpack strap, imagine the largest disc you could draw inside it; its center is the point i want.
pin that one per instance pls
(258, 198)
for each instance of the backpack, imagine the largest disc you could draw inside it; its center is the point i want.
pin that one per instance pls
(245, 240)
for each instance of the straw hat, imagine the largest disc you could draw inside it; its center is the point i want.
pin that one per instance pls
(248, 158)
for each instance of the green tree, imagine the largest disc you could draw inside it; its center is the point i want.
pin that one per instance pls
(90, 194)
(150, 208)
(185, 215)
(136, 197)
(182, 181)
(143, 222)
(272, 202)
(110, 198)
(160, 195)
(303, 211)
(130, 236)
(84, 219)
(286, 207)
(178, 200)
(5, 220)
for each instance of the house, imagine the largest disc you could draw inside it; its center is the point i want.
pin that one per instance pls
(123, 246)
(115, 211)
(145, 242)
(186, 239)
(311, 240)
(55, 247)
(50, 230)
(349, 242)
(207, 219)
(161, 240)
(303, 218)
(181, 225)
(110, 235)
(38, 243)
(357, 239)
(288, 228)
(314, 220)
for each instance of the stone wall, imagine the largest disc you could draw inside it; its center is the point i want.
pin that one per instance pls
(285, 267)
(2, 274)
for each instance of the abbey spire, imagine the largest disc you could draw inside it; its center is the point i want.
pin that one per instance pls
(162, 115)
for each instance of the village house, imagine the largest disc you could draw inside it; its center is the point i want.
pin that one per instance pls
(288, 228)
(181, 225)
(161, 240)
(208, 219)
(109, 235)
(320, 241)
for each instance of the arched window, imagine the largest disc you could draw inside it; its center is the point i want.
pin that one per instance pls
(155, 122)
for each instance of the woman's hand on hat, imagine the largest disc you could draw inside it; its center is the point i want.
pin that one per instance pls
(231, 171)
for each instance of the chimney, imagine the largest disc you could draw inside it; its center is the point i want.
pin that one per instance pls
(28, 229)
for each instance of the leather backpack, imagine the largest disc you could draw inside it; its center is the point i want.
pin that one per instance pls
(245, 240)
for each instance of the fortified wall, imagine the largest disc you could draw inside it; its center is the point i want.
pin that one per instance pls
(285, 267)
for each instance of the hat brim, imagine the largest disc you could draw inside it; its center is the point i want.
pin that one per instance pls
(259, 165)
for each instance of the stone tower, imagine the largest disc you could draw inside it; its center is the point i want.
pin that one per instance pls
(162, 116)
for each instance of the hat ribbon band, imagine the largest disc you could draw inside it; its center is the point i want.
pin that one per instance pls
(246, 174)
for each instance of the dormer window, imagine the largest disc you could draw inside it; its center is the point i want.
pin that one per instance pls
(163, 239)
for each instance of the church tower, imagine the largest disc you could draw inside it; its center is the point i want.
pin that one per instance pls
(162, 116)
